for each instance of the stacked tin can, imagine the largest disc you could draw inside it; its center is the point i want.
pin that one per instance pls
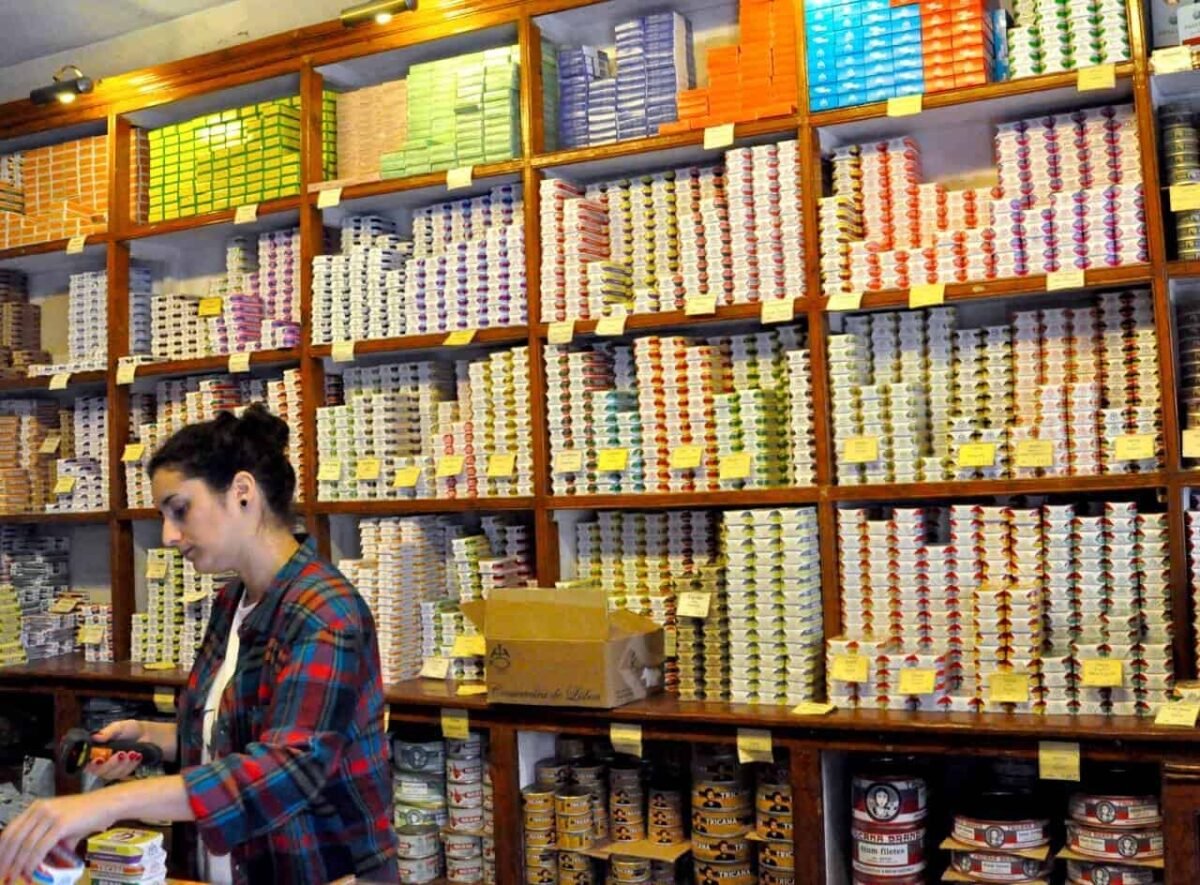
(887, 833)
(1181, 161)
(419, 786)
(626, 803)
(469, 801)
(775, 825)
(1121, 837)
(722, 818)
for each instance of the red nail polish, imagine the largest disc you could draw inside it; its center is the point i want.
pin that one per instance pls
(122, 756)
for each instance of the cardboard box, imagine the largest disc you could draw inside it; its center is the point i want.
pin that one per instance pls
(564, 648)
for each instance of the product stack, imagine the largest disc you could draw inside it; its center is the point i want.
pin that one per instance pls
(462, 111)
(382, 286)
(27, 478)
(739, 408)
(1000, 837)
(1053, 208)
(34, 571)
(888, 808)
(1114, 838)
(1181, 166)
(1032, 595)
(20, 327)
(428, 430)
(95, 632)
(925, 395)
(125, 856)
(1192, 515)
(371, 122)
(81, 470)
(1047, 37)
(178, 606)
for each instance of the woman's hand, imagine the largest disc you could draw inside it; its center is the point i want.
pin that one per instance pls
(26, 841)
(123, 764)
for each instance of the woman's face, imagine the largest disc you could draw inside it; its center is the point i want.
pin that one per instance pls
(198, 520)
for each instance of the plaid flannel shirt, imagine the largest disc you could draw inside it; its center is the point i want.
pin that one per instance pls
(299, 787)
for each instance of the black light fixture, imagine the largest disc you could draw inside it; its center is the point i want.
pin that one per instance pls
(379, 11)
(69, 83)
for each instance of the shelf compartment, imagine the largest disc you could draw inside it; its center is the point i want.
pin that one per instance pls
(991, 488)
(430, 186)
(259, 359)
(85, 517)
(669, 320)
(673, 500)
(74, 670)
(51, 256)
(194, 222)
(413, 506)
(41, 383)
(435, 342)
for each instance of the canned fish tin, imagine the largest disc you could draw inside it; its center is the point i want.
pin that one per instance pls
(471, 748)
(666, 835)
(986, 866)
(540, 876)
(776, 877)
(416, 815)
(777, 856)
(1080, 872)
(775, 827)
(575, 841)
(426, 757)
(419, 870)
(888, 873)
(488, 846)
(889, 799)
(626, 868)
(538, 798)
(541, 858)
(539, 820)
(539, 838)
(669, 800)
(416, 840)
(459, 845)
(774, 798)
(741, 873)
(877, 846)
(573, 823)
(570, 861)
(720, 849)
(464, 771)
(576, 877)
(1115, 811)
(719, 823)
(629, 832)
(573, 801)
(468, 820)
(464, 869)
(718, 795)
(465, 795)
(1115, 845)
(418, 788)
(1006, 835)
(552, 773)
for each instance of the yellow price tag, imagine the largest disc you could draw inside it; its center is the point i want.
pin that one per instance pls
(861, 450)
(65, 485)
(1135, 447)
(1097, 77)
(474, 646)
(156, 569)
(435, 668)
(693, 605)
(210, 307)
(330, 470)
(406, 477)
(239, 363)
(246, 214)
(1035, 453)
(754, 745)
(612, 460)
(164, 699)
(812, 708)
(1008, 688)
(343, 351)
(459, 338)
(735, 465)
(1180, 715)
(611, 325)
(1185, 197)
(844, 301)
(450, 465)
(455, 725)
(778, 310)
(133, 452)
(1171, 60)
(850, 668)
(977, 455)
(501, 465)
(699, 305)
(927, 295)
(917, 681)
(1191, 443)
(76, 243)
(1057, 280)
(1103, 673)
(459, 177)
(568, 461)
(905, 105)
(90, 634)
(561, 333)
(159, 665)
(367, 469)
(59, 381)
(717, 137)
(126, 372)
(195, 596)
(329, 197)
(686, 457)
(1058, 761)
(464, 691)
(50, 444)
(626, 738)
(63, 606)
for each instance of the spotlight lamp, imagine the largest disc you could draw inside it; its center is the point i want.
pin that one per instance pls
(379, 11)
(69, 83)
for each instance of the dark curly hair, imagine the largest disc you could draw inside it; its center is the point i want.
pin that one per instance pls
(216, 451)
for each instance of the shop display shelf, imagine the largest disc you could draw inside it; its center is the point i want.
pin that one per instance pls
(195, 222)
(359, 189)
(41, 383)
(51, 252)
(75, 671)
(990, 488)
(81, 517)
(259, 359)
(1183, 269)
(406, 507)
(782, 497)
(679, 319)
(432, 342)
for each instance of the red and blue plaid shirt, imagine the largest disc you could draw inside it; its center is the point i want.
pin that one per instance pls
(299, 789)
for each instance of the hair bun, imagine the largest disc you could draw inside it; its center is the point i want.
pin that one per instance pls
(263, 430)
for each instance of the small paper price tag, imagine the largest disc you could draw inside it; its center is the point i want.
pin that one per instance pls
(1171, 60)
(778, 310)
(329, 197)
(164, 699)
(1134, 447)
(239, 363)
(159, 665)
(59, 381)
(670, 642)
(917, 681)
(1057, 280)
(156, 569)
(464, 691)
(754, 745)
(1097, 77)
(133, 452)
(1058, 761)
(1180, 715)
(927, 295)
(686, 457)
(611, 325)
(1103, 673)
(501, 465)
(612, 460)
(1008, 688)
(435, 668)
(50, 444)
(700, 305)
(367, 469)
(63, 606)
(330, 470)
(568, 462)
(1191, 443)
(861, 450)
(210, 307)
(126, 372)
(562, 332)
(76, 243)
(65, 485)
(246, 214)
(717, 137)
(90, 634)
(626, 738)
(1035, 453)
(456, 725)
(977, 455)
(905, 105)
(1184, 197)
(693, 605)
(459, 338)
(195, 596)
(343, 351)
(850, 668)
(450, 465)
(735, 465)
(812, 708)
(459, 177)
(844, 301)
(406, 477)
(474, 646)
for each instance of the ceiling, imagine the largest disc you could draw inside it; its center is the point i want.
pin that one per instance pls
(33, 28)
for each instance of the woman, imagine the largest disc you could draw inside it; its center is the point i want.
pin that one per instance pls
(284, 763)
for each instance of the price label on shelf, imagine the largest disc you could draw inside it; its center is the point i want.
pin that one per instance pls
(464, 691)
(1171, 60)
(561, 332)
(90, 634)
(927, 295)
(406, 477)
(568, 461)
(1096, 77)
(210, 307)
(460, 177)
(844, 301)
(133, 452)
(459, 338)
(65, 485)
(76, 243)
(611, 325)
(754, 745)
(1103, 673)
(159, 665)
(735, 465)
(1034, 453)
(686, 457)
(700, 305)
(693, 605)
(1008, 688)
(63, 606)
(164, 699)
(917, 681)
(473, 646)
(850, 668)
(861, 450)
(126, 372)
(450, 465)
(812, 708)
(330, 470)
(502, 465)
(435, 668)
(977, 455)
(905, 105)
(777, 310)
(156, 569)
(1191, 443)
(246, 214)
(1058, 761)
(329, 197)
(50, 444)
(59, 381)
(718, 137)
(1184, 197)
(367, 469)
(1179, 715)
(343, 351)
(1058, 280)
(456, 725)
(612, 460)
(1135, 447)
(626, 738)
(239, 363)
(195, 596)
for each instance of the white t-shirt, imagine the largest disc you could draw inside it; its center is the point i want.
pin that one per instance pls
(216, 867)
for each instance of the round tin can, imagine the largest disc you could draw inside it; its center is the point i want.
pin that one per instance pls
(775, 827)
(573, 801)
(488, 846)
(861, 878)
(777, 856)
(537, 798)
(776, 877)
(576, 877)
(428, 757)
(721, 849)
(465, 795)
(720, 823)
(774, 798)
(878, 846)
(541, 876)
(718, 795)
(539, 820)
(1081, 872)
(741, 873)
(1011, 834)
(464, 869)
(458, 845)
(626, 868)
(630, 832)
(468, 749)
(417, 840)
(575, 841)
(986, 866)
(570, 861)
(1115, 845)
(573, 823)
(889, 873)
(539, 838)
(419, 870)
(552, 772)
(889, 799)
(464, 771)
(1115, 811)
(468, 820)
(665, 835)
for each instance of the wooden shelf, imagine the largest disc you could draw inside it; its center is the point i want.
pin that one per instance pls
(260, 359)
(980, 488)
(672, 500)
(209, 219)
(49, 247)
(403, 507)
(41, 383)
(1180, 269)
(359, 190)
(74, 670)
(135, 514)
(677, 319)
(435, 341)
(84, 517)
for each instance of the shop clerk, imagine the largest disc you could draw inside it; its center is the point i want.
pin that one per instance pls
(280, 728)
